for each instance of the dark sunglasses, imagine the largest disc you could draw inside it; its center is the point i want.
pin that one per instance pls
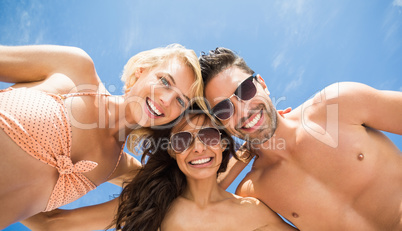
(245, 91)
(181, 141)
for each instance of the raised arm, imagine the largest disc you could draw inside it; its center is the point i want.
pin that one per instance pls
(361, 104)
(38, 62)
(96, 217)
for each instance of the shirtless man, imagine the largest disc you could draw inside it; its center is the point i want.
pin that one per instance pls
(324, 165)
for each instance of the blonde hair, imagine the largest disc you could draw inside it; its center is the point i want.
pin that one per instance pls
(157, 56)
(152, 58)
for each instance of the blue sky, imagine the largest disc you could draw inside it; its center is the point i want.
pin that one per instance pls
(298, 46)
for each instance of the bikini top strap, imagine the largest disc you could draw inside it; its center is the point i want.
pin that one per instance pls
(118, 160)
(64, 96)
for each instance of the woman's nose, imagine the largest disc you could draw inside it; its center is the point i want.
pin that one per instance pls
(167, 98)
(199, 146)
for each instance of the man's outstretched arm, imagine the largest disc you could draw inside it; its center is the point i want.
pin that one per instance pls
(362, 104)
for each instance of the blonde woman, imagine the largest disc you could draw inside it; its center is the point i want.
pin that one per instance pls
(62, 134)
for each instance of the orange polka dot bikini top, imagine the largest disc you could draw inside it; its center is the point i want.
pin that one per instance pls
(38, 122)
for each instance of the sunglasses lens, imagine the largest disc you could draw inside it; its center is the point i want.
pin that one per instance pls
(180, 141)
(246, 89)
(209, 136)
(223, 110)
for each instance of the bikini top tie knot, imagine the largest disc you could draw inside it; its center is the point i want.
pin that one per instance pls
(39, 123)
(66, 166)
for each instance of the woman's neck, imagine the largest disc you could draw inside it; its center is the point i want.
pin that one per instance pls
(120, 125)
(204, 191)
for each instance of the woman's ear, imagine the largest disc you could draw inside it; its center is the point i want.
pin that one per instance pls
(138, 72)
(262, 82)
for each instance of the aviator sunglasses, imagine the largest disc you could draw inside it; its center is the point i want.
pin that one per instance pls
(245, 91)
(181, 141)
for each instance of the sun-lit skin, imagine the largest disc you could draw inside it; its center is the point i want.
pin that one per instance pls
(204, 205)
(244, 111)
(336, 169)
(198, 151)
(160, 87)
(100, 122)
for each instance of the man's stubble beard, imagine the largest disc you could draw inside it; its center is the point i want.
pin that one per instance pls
(265, 131)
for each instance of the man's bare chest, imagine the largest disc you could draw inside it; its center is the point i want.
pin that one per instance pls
(348, 184)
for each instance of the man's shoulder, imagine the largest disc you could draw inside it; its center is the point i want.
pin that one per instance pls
(344, 90)
(336, 93)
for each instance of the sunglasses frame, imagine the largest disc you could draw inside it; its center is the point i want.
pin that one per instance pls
(193, 138)
(230, 102)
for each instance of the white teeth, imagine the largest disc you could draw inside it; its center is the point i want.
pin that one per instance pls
(154, 109)
(201, 161)
(254, 121)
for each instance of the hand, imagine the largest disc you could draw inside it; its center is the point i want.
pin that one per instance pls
(282, 112)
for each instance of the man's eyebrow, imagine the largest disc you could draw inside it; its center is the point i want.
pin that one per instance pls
(174, 82)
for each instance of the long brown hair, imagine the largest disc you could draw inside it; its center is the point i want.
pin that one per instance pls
(145, 200)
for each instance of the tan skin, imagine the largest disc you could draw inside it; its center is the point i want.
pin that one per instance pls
(204, 205)
(333, 169)
(96, 217)
(26, 183)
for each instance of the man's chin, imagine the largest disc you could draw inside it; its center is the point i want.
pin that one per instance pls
(257, 140)
(257, 137)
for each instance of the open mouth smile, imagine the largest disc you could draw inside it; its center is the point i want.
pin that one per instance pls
(153, 108)
(201, 161)
(252, 121)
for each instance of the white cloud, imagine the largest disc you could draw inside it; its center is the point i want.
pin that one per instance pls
(278, 60)
(131, 39)
(26, 25)
(296, 6)
(391, 27)
(296, 82)
(297, 19)
(397, 3)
